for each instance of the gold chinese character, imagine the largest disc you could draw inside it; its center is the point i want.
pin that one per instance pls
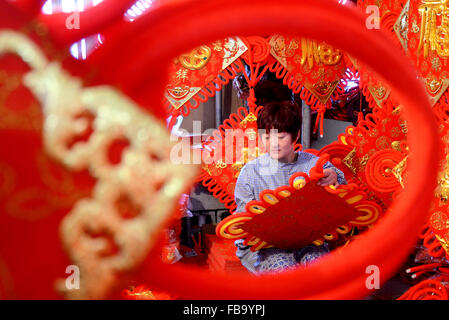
(195, 59)
(434, 36)
(312, 52)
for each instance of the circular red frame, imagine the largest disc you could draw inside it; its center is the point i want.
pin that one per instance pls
(138, 57)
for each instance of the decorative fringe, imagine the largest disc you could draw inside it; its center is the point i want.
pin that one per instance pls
(233, 122)
(368, 96)
(432, 244)
(217, 191)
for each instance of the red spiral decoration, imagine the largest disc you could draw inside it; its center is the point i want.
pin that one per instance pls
(379, 170)
(259, 49)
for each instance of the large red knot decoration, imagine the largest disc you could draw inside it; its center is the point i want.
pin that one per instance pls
(379, 170)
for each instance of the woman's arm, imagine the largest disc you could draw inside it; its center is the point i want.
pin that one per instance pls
(331, 178)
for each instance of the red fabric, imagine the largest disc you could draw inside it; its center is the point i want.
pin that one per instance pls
(221, 255)
(35, 194)
(28, 7)
(312, 69)
(436, 238)
(302, 218)
(337, 151)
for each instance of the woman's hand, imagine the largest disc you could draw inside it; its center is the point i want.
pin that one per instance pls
(330, 178)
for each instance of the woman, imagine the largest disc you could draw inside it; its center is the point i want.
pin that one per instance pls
(279, 126)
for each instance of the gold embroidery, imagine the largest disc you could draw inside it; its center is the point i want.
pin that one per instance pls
(442, 190)
(348, 160)
(439, 221)
(434, 37)
(383, 142)
(398, 171)
(312, 52)
(322, 89)
(195, 59)
(249, 118)
(444, 243)
(145, 173)
(415, 27)
(401, 26)
(403, 125)
(364, 160)
(281, 49)
(220, 164)
(245, 157)
(396, 145)
(436, 88)
(433, 85)
(379, 93)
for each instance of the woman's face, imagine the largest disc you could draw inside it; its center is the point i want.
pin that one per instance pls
(279, 145)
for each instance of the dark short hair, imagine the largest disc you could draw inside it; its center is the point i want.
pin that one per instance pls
(284, 116)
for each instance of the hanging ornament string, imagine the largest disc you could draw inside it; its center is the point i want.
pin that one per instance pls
(321, 109)
(360, 114)
(256, 58)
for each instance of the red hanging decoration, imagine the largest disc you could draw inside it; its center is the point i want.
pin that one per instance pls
(426, 49)
(312, 69)
(236, 141)
(224, 153)
(201, 72)
(393, 19)
(380, 152)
